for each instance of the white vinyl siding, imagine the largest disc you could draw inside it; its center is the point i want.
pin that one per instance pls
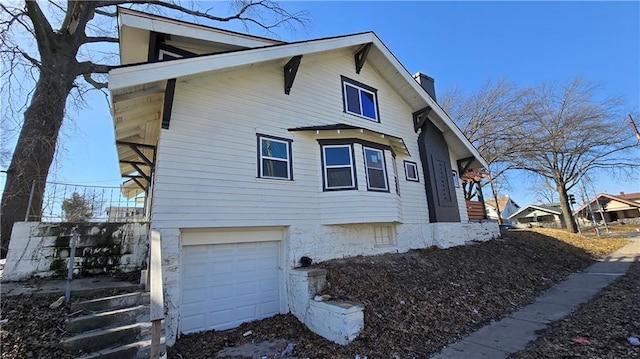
(206, 160)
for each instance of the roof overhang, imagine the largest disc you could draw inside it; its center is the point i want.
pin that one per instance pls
(349, 131)
(129, 79)
(535, 208)
(609, 197)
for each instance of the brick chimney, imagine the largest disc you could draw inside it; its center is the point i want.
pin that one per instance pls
(427, 83)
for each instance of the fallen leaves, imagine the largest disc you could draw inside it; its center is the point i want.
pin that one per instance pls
(603, 325)
(417, 302)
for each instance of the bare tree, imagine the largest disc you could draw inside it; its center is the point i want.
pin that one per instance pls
(545, 191)
(487, 118)
(569, 131)
(63, 63)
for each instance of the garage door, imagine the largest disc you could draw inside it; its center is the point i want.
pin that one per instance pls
(227, 284)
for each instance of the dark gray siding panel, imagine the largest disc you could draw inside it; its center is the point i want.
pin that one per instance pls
(436, 164)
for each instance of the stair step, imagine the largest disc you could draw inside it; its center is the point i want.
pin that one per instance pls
(106, 319)
(103, 338)
(135, 350)
(108, 303)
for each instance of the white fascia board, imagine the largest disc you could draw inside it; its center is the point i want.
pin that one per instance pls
(191, 31)
(137, 75)
(430, 102)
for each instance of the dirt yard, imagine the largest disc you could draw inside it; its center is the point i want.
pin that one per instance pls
(417, 302)
(607, 322)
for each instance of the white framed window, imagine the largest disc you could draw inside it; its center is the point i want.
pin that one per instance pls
(411, 171)
(384, 236)
(337, 166)
(274, 158)
(375, 169)
(359, 99)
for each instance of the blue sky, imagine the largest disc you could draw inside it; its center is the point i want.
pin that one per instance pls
(460, 44)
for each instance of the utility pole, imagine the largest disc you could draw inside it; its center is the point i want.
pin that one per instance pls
(585, 197)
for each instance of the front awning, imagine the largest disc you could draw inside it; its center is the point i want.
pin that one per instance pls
(396, 143)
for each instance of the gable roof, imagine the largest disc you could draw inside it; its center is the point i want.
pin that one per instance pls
(502, 203)
(138, 90)
(611, 197)
(544, 208)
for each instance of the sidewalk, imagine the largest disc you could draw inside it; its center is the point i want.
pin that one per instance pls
(512, 333)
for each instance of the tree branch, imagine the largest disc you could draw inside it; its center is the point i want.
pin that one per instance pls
(94, 83)
(88, 67)
(41, 25)
(92, 39)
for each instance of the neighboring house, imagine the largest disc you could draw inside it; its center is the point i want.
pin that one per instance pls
(538, 215)
(506, 205)
(254, 153)
(611, 207)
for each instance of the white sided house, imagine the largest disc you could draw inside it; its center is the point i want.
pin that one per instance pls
(255, 153)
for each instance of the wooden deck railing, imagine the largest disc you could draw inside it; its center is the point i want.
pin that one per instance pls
(156, 293)
(475, 210)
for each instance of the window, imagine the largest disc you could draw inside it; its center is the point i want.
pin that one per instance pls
(384, 236)
(375, 168)
(339, 172)
(359, 99)
(411, 170)
(274, 158)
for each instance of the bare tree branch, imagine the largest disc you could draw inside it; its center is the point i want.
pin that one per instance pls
(93, 39)
(94, 83)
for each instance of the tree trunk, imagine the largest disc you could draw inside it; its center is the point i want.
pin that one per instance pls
(34, 151)
(494, 193)
(570, 223)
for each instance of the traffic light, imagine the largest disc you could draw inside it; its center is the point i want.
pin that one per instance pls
(572, 199)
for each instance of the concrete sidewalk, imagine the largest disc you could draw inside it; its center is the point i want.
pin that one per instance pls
(512, 333)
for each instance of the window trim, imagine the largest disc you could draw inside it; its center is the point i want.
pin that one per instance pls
(325, 183)
(289, 159)
(406, 171)
(384, 169)
(360, 87)
(456, 179)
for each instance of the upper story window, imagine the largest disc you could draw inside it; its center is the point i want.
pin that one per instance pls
(359, 99)
(274, 158)
(411, 171)
(338, 167)
(376, 169)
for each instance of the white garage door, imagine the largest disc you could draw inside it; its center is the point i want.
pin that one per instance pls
(225, 285)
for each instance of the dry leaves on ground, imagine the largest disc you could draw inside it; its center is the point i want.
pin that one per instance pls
(417, 302)
(606, 323)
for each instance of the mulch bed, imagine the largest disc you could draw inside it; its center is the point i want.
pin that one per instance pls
(606, 323)
(417, 302)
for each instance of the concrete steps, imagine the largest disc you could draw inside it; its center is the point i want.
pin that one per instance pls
(112, 327)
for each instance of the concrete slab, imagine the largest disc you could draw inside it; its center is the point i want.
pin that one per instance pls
(466, 350)
(579, 288)
(542, 312)
(507, 335)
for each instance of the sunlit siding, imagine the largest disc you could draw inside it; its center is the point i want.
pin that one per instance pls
(207, 160)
